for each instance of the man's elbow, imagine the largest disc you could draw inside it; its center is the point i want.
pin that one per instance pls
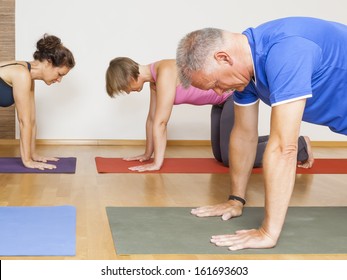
(245, 135)
(288, 151)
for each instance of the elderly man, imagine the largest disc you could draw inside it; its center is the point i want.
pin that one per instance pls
(296, 65)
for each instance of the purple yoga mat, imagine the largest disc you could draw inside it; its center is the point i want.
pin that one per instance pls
(15, 165)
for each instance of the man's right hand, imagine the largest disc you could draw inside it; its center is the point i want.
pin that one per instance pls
(227, 210)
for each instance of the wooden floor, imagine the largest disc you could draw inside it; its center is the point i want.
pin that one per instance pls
(91, 192)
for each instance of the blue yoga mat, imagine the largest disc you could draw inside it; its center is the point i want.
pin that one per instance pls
(38, 231)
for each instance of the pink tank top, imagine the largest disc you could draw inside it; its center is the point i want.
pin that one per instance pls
(195, 96)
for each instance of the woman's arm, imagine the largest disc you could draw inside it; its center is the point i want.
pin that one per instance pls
(34, 155)
(149, 123)
(149, 130)
(24, 98)
(165, 96)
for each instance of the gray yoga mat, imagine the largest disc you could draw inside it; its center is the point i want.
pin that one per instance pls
(173, 230)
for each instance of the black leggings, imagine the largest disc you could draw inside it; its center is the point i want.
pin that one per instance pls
(222, 122)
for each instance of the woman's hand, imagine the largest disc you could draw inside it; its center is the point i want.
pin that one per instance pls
(39, 158)
(145, 167)
(38, 165)
(139, 158)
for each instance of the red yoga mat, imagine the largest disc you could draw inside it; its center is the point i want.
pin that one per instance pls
(210, 165)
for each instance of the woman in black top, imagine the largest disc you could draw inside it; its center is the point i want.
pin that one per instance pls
(52, 61)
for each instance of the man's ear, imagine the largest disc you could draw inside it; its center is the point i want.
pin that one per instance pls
(223, 57)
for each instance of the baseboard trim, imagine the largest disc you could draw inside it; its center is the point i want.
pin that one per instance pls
(333, 144)
(119, 142)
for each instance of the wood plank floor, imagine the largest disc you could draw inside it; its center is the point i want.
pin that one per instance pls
(91, 192)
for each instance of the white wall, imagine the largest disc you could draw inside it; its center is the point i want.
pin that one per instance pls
(146, 31)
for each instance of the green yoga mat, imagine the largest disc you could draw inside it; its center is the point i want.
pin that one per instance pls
(173, 230)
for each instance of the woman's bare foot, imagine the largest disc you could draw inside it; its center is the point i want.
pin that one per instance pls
(309, 162)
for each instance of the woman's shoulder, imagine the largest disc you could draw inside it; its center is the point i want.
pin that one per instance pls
(13, 63)
(166, 63)
(19, 71)
(12, 71)
(15, 66)
(166, 66)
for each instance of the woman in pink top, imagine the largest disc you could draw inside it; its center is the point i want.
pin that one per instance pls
(125, 75)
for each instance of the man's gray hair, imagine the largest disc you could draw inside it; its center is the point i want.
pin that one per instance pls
(193, 51)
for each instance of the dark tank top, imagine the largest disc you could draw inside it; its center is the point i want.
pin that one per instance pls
(6, 91)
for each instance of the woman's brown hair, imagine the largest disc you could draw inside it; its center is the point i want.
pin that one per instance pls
(50, 48)
(119, 74)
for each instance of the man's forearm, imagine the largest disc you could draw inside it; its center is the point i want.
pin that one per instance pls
(241, 159)
(279, 175)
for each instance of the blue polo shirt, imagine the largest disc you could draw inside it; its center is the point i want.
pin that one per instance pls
(296, 58)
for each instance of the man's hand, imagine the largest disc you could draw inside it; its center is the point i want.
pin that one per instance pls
(243, 239)
(227, 210)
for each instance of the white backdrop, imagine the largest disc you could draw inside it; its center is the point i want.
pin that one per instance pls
(97, 31)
